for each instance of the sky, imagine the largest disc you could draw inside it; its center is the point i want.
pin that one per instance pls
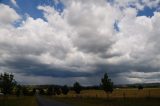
(63, 41)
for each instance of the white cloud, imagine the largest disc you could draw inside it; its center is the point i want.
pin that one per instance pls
(139, 4)
(92, 27)
(7, 15)
(82, 39)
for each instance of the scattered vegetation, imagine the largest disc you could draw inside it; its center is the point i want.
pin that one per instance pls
(15, 94)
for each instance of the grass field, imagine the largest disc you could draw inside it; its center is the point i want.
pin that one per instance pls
(118, 93)
(110, 102)
(18, 101)
(120, 97)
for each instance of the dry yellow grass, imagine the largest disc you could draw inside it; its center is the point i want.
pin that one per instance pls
(118, 93)
(133, 97)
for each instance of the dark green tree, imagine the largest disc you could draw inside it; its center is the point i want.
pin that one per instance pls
(41, 91)
(49, 90)
(65, 89)
(25, 91)
(107, 84)
(7, 83)
(33, 92)
(57, 90)
(18, 90)
(77, 87)
(140, 87)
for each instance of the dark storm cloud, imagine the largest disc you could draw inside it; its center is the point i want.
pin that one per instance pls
(30, 67)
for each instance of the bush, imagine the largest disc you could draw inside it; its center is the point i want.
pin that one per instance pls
(49, 90)
(57, 91)
(65, 89)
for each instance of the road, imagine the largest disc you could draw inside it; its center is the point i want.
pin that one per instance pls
(47, 102)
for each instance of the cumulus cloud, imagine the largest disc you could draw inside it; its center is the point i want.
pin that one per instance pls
(92, 26)
(138, 4)
(81, 43)
(7, 15)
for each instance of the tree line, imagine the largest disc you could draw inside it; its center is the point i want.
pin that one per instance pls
(8, 86)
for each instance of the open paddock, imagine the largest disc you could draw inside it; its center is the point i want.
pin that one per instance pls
(117, 93)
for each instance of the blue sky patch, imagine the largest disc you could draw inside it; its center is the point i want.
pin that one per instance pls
(147, 11)
(30, 7)
(116, 27)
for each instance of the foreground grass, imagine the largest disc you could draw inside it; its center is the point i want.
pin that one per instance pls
(18, 101)
(120, 97)
(110, 102)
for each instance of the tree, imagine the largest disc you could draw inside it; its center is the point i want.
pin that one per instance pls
(57, 90)
(65, 89)
(7, 83)
(41, 91)
(49, 90)
(77, 87)
(18, 90)
(107, 84)
(25, 91)
(33, 91)
(140, 87)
